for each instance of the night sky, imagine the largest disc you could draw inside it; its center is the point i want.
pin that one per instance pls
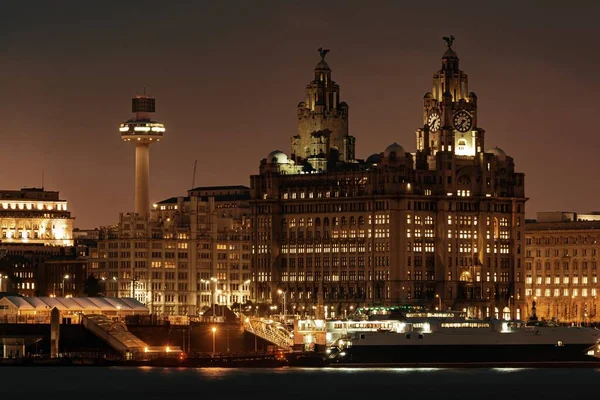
(227, 76)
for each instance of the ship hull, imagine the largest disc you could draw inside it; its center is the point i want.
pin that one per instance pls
(530, 353)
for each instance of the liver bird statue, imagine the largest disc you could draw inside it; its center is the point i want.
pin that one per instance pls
(449, 40)
(323, 52)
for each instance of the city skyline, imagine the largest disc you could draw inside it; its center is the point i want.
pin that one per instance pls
(64, 118)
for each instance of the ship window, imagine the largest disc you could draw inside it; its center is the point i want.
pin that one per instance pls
(560, 343)
(362, 336)
(408, 336)
(420, 336)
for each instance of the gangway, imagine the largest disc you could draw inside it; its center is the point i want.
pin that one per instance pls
(269, 330)
(116, 335)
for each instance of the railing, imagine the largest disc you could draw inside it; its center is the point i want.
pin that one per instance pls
(269, 330)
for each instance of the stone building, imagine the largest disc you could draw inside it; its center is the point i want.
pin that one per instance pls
(36, 227)
(442, 227)
(35, 216)
(561, 266)
(64, 277)
(22, 267)
(189, 249)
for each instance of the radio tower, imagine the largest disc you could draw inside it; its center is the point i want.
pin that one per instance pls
(142, 132)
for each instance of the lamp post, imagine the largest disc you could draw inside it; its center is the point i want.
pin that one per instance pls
(2, 277)
(437, 296)
(214, 331)
(218, 292)
(246, 282)
(511, 302)
(212, 297)
(208, 283)
(119, 312)
(63, 284)
(283, 293)
(115, 280)
(572, 311)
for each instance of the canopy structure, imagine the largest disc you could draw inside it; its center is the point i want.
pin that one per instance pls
(71, 305)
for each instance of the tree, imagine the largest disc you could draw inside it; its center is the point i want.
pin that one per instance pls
(91, 287)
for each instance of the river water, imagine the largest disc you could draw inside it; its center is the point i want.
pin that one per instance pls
(144, 383)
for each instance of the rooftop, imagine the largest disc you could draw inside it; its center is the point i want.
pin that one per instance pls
(561, 226)
(88, 304)
(212, 188)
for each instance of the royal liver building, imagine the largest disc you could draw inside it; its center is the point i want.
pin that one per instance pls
(441, 226)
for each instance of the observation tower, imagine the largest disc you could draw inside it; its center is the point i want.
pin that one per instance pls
(142, 132)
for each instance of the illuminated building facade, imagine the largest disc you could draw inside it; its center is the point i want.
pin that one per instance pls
(35, 216)
(561, 266)
(442, 227)
(168, 261)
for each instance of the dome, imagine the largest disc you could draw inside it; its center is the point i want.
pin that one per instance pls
(322, 65)
(428, 95)
(450, 54)
(498, 152)
(374, 158)
(277, 157)
(394, 148)
(343, 104)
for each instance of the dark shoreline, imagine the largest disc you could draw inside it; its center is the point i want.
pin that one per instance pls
(274, 363)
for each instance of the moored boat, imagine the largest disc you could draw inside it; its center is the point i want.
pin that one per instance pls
(451, 337)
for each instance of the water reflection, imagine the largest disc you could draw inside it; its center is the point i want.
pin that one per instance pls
(508, 370)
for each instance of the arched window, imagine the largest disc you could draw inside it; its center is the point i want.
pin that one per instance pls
(506, 313)
(461, 147)
(352, 221)
(325, 221)
(317, 221)
(465, 276)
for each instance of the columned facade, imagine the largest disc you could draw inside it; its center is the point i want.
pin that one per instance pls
(561, 267)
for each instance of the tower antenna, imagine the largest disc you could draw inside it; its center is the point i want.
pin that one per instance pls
(194, 174)
(42, 178)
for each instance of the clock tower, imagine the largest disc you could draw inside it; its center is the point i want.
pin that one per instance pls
(449, 114)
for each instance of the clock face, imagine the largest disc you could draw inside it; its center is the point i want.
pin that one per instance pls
(434, 122)
(462, 121)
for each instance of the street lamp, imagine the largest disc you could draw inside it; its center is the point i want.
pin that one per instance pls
(572, 311)
(437, 296)
(2, 277)
(214, 331)
(212, 296)
(114, 278)
(219, 292)
(283, 293)
(119, 312)
(63, 284)
(246, 282)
